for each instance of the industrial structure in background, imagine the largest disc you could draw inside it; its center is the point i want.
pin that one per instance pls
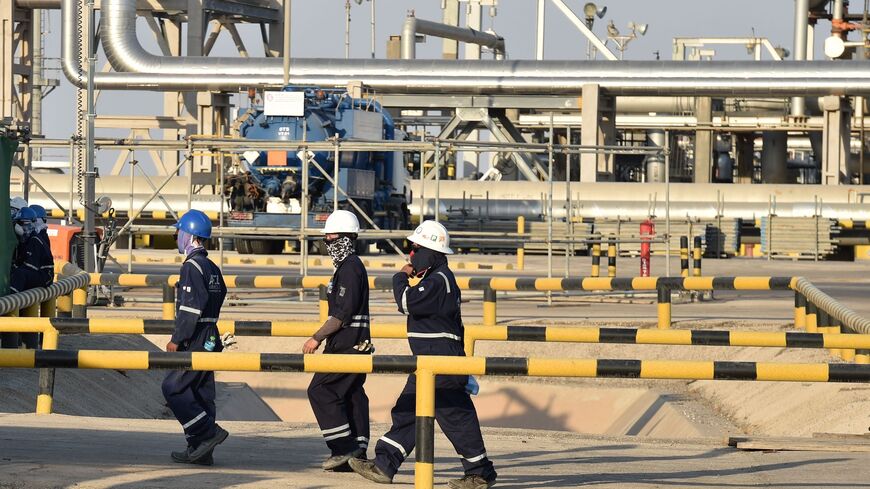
(762, 149)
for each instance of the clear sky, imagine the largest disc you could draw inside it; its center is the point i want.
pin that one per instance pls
(318, 31)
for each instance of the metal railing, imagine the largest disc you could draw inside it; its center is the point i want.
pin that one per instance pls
(425, 368)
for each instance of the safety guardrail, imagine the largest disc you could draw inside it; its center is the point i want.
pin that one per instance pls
(52, 327)
(426, 368)
(664, 286)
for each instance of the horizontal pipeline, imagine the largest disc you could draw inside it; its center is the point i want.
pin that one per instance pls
(395, 364)
(560, 334)
(476, 283)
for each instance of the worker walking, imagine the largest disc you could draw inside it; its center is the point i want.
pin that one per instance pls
(200, 293)
(434, 328)
(339, 401)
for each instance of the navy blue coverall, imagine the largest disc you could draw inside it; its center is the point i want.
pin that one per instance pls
(339, 401)
(32, 266)
(200, 293)
(434, 328)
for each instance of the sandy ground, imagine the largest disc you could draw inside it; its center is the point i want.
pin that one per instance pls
(59, 451)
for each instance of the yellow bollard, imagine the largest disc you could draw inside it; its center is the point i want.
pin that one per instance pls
(696, 257)
(64, 306)
(424, 465)
(30, 340)
(323, 304)
(168, 302)
(684, 256)
(596, 260)
(48, 309)
(45, 397)
(848, 354)
(812, 318)
(80, 303)
(489, 307)
(611, 257)
(10, 340)
(664, 308)
(521, 251)
(800, 311)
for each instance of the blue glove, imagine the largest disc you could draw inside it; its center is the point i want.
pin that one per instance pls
(472, 387)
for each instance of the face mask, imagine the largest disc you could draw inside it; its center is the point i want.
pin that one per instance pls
(422, 259)
(186, 243)
(23, 230)
(339, 249)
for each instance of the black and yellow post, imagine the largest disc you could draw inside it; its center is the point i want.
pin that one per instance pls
(684, 256)
(812, 318)
(168, 302)
(848, 354)
(696, 257)
(823, 324)
(45, 396)
(489, 307)
(596, 259)
(64, 306)
(800, 311)
(834, 329)
(664, 307)
(521, 252)
(424, 466)
(48, 309)
(323, 303)
(80, 303)
(611, 257)
(862, 357)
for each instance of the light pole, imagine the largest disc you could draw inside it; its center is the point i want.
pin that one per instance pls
(590, 10)
(622, 41)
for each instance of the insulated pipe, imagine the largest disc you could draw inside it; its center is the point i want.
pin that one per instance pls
(801, 24)
(414, 26)
(440, 76)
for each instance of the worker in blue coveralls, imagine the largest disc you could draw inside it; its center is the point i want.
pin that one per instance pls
(200, 293)
(434, 328)
(41, 226)
(32, 267)
(339, 401)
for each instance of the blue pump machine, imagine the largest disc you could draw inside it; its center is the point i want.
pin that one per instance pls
(266, 190)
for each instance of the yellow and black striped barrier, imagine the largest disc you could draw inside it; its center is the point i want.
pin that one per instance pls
(611, 257)
(427, 367)
(684, 256)
(696, 257)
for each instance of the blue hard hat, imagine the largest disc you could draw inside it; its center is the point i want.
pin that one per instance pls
(25, 214)
(40, 211)
(196, 223)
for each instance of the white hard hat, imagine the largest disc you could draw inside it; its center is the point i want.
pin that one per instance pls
(17, 203)
(432, 235)
(341, 222)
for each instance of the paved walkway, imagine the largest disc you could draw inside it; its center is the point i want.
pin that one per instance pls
(65, 451)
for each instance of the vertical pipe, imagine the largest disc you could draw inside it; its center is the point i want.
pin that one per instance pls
(800, 311)
(303, 216)
(667, 204)
(596, 258)
(36, 82)
(801, 24)
(489, 307)
(373, 28)
(335, 171)
(437, 179)
(89, 231)
(130, 236)
(664, 307)
(168, 302)
(323, 304)
(347, 29)
(696, 257)
(611, 256)
(286, 49)
(424, 466)
(684, 256)
(550, 209)
(220, 233)
(539, 38)
(521, 251)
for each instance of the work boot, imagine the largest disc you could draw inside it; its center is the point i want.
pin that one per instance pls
(184, 458)
(207, 446)
(471, 482)
(336, 461)
(369, 470)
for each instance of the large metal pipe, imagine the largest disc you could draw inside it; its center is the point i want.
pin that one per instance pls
(439, 76)
(414, 26)
(801, 24)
